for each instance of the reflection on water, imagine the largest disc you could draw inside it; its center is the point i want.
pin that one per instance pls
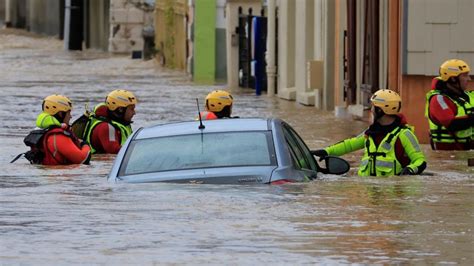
(71, 215)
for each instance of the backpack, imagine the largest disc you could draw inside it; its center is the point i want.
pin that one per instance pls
(34, 140)
(79, 125)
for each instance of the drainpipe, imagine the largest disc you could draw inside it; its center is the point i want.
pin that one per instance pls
(271, 35)
(67, 23)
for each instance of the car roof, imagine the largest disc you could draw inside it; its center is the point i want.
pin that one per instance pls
(211, 126)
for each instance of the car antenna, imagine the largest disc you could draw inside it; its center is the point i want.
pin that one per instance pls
(201, 126)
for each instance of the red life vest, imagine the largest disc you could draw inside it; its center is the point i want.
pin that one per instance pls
(208, 116)
(52, 157)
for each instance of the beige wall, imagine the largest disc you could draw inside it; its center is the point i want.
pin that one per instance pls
(286, 57)
(438, 30)
(43, 17)
(170, 33)
(302, 39)
(304, 45)
(98, 24)
(331, 31)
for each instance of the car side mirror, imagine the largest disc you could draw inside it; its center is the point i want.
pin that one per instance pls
(336, 165)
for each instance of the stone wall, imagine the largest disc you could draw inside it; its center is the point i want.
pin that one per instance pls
(127, 20)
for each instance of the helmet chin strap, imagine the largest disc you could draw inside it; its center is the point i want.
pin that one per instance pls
(378, 113)
(455, 86)
(60, 116)
(118, 115)
(383, 119)
(226, 112)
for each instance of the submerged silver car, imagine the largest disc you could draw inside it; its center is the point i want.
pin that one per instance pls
(223, 151)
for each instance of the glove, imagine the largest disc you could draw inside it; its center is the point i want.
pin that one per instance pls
(83, 142)
(88, 160)
(321, 154)
(407, 171)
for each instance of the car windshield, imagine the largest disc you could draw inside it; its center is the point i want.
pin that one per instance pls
(224, 149)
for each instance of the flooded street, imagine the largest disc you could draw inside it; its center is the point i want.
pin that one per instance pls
(71, 215)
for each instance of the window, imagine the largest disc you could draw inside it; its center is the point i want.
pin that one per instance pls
(303, 155)
(199, 151)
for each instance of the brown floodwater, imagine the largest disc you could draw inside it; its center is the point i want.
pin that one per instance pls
(71, 215)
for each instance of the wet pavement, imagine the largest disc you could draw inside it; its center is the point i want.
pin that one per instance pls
(71, 215)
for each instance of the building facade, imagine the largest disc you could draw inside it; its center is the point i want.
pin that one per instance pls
(190, 35)
(128, 19)
(367, 45)
(110, 25)
(2, 12)
(433, 32)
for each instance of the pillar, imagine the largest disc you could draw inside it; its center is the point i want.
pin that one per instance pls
(286, 51)
(304, 46)
(271, 35)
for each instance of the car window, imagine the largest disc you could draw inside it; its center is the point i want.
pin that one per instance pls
(294, 158)
(296, 153)
(199, 151)
(303, 155)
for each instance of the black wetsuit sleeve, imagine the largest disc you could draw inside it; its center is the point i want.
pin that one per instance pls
(461, 123)
(421, 168)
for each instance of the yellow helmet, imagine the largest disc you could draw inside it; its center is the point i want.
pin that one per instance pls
(452, 68)
(56, 103)
(119, 98)
(217, 100)
(387, 100)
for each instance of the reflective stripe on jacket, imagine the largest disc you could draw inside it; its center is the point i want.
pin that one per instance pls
(439, 133)
(125, 131)
(382, 160)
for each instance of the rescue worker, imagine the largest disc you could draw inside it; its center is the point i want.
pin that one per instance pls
(391, 148)
(218, 105)
(109, 125)
(450, 108)
(60, 145)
